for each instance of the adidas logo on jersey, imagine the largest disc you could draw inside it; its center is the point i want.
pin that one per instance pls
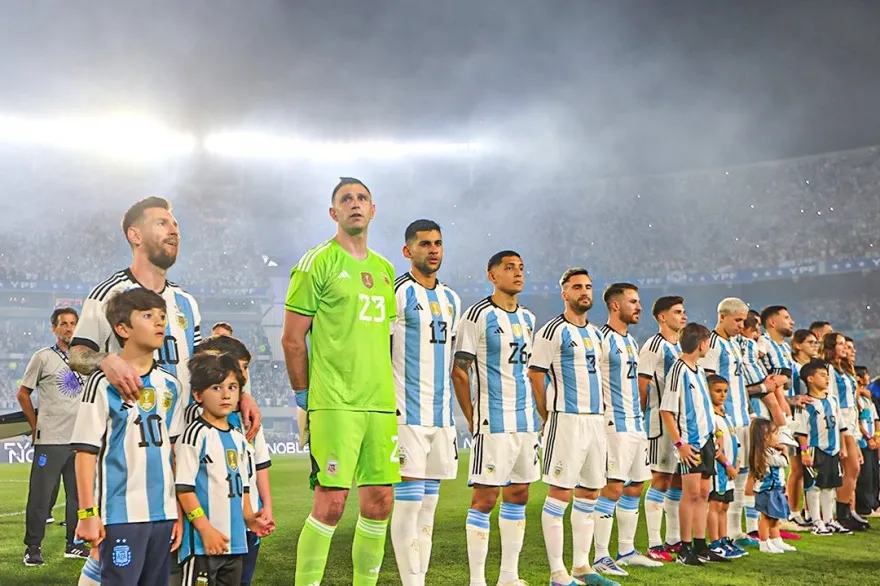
(344, 275)
(207, 459)
(573, 344)
(418, 307)
(498, 330)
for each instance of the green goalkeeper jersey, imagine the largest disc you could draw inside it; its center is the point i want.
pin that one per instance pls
(352, 305)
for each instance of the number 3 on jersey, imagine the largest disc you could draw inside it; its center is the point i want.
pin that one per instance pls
(372, 308)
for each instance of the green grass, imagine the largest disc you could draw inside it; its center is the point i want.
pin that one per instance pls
(828, 560)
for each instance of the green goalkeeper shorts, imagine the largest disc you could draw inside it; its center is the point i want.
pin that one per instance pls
(348, 446)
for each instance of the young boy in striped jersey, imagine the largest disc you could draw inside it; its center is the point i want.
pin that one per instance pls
(820, 438)
(686, 410)
(726, 472)
(258, 452)
(128, 448)
(212, 479)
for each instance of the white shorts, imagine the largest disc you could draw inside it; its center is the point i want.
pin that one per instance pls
(742, 436)
(849, 417)
(575, 451)
(428, 452)
(499, 459)
(661, 455)
(628, 456)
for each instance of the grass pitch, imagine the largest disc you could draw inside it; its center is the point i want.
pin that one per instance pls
(820, 560)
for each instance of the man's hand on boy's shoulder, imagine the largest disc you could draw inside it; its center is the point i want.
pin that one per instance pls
(251, 418)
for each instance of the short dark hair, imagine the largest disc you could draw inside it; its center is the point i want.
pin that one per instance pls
(751, 321)
(754, 313)
(666, 303)
(810, 368)
(62, 311)
(573, 272)
(771, 311)
(861, 370)
(420, 226)
(207, 370)
(499, 257)
(616, 289)
(848, 339)
(222, 324)
(343, 181)
(691, 337)
(120, 306)
(818, 325)
(136, 211)
(716, 379)
(224, 345)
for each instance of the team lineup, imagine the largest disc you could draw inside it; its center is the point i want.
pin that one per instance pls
(723, 423)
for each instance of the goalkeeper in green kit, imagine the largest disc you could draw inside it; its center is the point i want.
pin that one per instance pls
(341, 296)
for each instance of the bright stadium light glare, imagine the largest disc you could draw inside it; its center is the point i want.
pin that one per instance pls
(265, 146)
(124, 136)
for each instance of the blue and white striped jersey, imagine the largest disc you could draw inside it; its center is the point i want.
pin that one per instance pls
(213, 463)
(725, 360)
(774, 479)
(421, 351)
(726, 432)
(687, 396)
(620, 367)
(135, 481)
(182, 332)
(500, 343)
(820, 422)
(570, 355)
(846, 389)
(776, 358)
(656, 359)
(752, 370)
(798, 386)
(868, 419)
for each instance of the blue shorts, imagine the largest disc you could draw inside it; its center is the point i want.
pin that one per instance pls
(250, 559)
(772, 503)
(137, 553)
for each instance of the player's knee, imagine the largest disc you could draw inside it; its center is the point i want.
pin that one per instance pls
(484, 499)
(517, 494)
(613, 490)
(329, 507)
(661, 481)
(377, 504)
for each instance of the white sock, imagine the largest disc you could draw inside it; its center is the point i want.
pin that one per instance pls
(426, 522)
(512, 526)
(826, 504)
(627, 523)
(554, 532)
(752, 515)
(477, 529)
(811, 497)
(91, 573)
(671, 505)
(408, 497)
(735, 510)
(654, 505)
(603, 517)
(582, 525)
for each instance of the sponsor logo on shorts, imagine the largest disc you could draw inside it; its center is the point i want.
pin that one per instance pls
(332, 466)
(490, 469)
(402, 456)
(557, 470)
(121, 554)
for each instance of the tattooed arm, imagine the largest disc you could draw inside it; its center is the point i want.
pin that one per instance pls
(461, 381)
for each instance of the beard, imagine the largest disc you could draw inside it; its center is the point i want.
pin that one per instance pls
(426, 269)
(579, 307)
(159, 257)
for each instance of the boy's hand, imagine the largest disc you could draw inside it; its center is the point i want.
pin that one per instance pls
(732, 472)
(807, 459)
(872, 443)
(214, 542)
(177, 534)
(91, 530)
(262, 523)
